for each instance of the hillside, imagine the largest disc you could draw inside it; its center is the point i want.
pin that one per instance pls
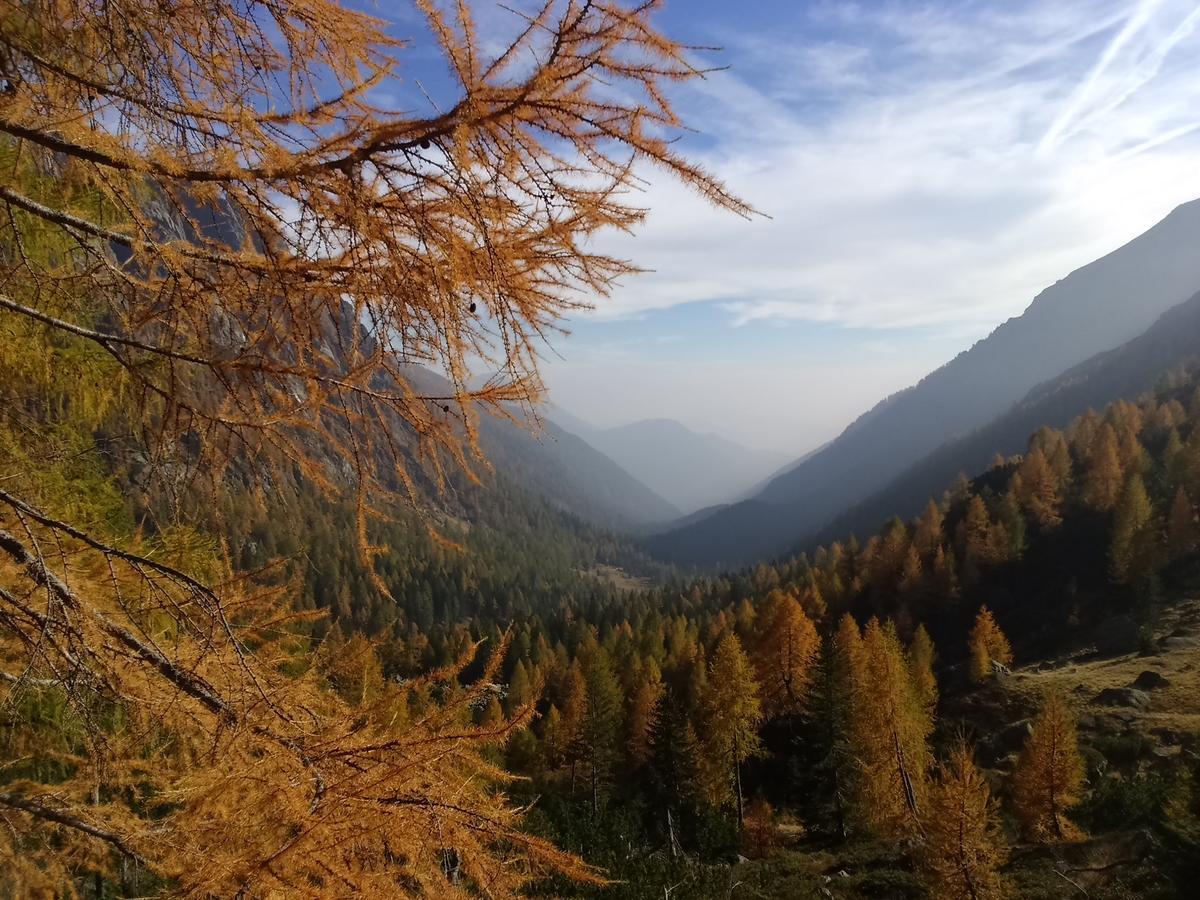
(1128, 371)
(573, 475)
(1092, 310)
(691, 470)
(1085, 549)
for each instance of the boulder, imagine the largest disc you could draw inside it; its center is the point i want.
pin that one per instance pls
(1126, 696)
(1150, 680)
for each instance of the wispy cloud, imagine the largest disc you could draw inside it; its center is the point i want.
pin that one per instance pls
(925, 165)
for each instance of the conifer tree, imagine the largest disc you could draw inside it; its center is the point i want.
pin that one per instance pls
(555, 740)
(642, 703)
(760, 837)
(1012, 520)
(573, 712)
(673, 771)
(962, 847)
(1059, 458)
(928, 535)
(1130, 553)
(1185, 464)
(492, 714)
(731, 715)
(912, 580)
(812, 601)
(785, 654)
(1039, 492)
(987, 644)
(520, 689)
(601, 727)
(983, 542)
(1172, 457)
(1049, 774)
(890, 555)
(1103, 476)
(844, 668)
(888, 739)
(1181, 526)
(921, 658)
(943, 576)
(354, 669)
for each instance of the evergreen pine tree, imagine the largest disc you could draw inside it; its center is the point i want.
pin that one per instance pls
(673, 769)
(601, 726)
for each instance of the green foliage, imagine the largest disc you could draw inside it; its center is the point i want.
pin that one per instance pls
(1119, 803)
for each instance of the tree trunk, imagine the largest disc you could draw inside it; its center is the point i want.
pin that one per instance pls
(671, 834)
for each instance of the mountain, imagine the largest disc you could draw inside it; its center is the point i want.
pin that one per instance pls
(554, 464)
(574, 476)
(565, 469)
(1092, 310)
(1173, 342)
(692, 470)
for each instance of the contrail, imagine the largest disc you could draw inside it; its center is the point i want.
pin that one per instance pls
(1136, 22)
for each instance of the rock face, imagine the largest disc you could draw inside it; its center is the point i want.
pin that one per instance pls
(1126, 696)
(1150, 680)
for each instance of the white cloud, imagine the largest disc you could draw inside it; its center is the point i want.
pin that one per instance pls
(929, 166)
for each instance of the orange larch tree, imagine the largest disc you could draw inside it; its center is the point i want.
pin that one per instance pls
(1049, 774)
(987, 645)
(921, 659)
(785, 655)
(888, 739)
(244, 255)
(962, 848)
(731, 715)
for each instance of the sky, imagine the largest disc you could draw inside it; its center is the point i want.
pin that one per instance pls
(927, 168)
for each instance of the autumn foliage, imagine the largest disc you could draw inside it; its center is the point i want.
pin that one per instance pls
(987, 645)
(962, 848)
(1049, 774)
(222, 259)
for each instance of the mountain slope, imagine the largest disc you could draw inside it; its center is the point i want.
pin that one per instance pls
(690, 469)
(1123, 373)
(564, 469)
(1094, 309)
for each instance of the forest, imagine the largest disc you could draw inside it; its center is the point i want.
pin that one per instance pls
(272, 623)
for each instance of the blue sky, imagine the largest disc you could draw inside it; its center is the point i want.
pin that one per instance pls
(928, 168)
